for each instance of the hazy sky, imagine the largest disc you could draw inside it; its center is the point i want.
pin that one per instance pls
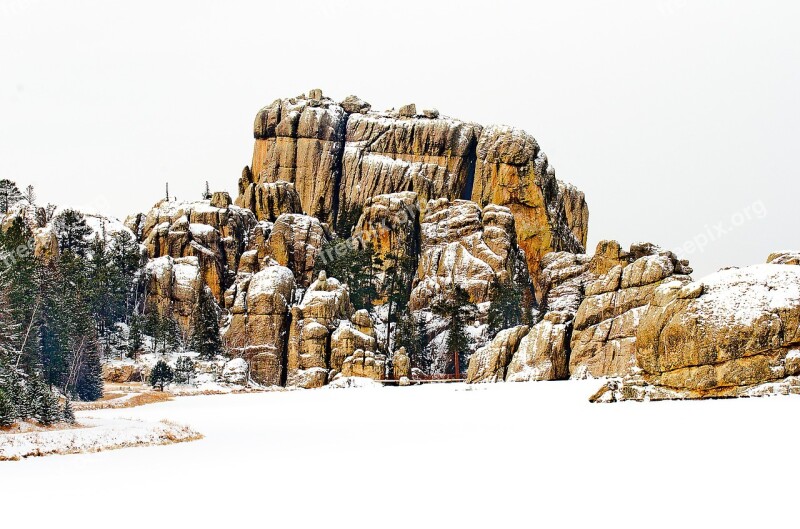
(679, 119)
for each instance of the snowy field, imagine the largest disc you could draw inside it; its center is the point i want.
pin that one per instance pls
(502, 455)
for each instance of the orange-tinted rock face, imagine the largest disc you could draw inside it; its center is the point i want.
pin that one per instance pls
(512, 171)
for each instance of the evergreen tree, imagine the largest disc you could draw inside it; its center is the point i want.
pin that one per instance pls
(43, 403)
(30, 195)
(161, 375)
(205, 336)
(8, 412)
(68, 414)
(135, 336)
(355, 265)
(412, 333)
(9, 195)
(89, 383)
(506, 309)
(184, 370)
(397, 282)
(456, 308)
(72, 232)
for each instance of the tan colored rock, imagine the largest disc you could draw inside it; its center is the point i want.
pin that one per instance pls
(386, 153)
(788, 258)
(741, 331)
(408, 111)
(401, 365)
(603, 341)
(325, 304)
(300, 140)
(259, 326)
(270, 200)
(173, 288)
(576, 210)
(350, 336)
(215, 236)
(462, 245)
(295, 241)
(354, 105)
(542, 354)
(512, 171)
(365, 364)
(488, 364)
(390, 223)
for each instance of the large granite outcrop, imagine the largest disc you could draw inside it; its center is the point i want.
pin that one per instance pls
(511, 170)
(589, 314)
(269, 200)
(174, 286)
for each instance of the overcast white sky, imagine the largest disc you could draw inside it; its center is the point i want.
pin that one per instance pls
(676, 117)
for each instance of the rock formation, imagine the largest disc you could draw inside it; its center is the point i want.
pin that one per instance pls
(734, 333)
(295, 241)
(215, 234)
(512, 171)
(174, 286)
(460, 244)
(259, 324)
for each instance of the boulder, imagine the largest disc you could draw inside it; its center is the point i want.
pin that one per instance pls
(173, 288)
(603, 341)
(488, 364)
(365, 364)
(401, 365)
(235, 372)
(741, 329)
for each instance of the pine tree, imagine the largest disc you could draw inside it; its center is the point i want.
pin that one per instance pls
(43, 403)
(397, 282)
(184, 370)
(456, 308)
(207, 192)
(506, 309)
(89, 383)
(72, 232)
(355, 265)
(30, 195)
(68, 414)
(161, 375)
(8, 412)
(205, 336)
(135, 336)
(9, 195)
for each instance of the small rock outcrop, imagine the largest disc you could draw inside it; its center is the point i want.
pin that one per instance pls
(488, 364)
(174, 286)
(295, 241)
(216, 236)
(268, 201)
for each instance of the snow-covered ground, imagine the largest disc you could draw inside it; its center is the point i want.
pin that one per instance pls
(501, 455)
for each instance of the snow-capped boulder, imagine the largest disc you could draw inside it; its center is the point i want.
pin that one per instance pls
(235, 372)
(365, 364)
(739, 329)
